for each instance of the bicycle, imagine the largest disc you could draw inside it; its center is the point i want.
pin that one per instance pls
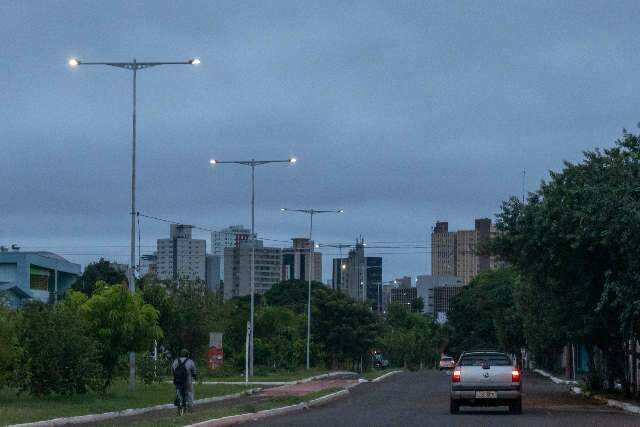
(181, 400)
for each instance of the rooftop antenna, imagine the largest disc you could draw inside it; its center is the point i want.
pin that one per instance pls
(524, 174)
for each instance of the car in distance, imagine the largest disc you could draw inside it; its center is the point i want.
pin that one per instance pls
(486, 378)
(446, 362)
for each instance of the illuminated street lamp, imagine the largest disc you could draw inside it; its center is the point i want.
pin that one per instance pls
(132, 66)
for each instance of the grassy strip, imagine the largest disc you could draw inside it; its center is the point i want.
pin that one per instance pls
(203, 415)
(273, 376)
(25, 408)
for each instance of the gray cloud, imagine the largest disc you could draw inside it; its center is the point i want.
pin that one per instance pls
(400, 112)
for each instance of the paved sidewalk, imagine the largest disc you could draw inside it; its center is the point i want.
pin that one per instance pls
(309, 387)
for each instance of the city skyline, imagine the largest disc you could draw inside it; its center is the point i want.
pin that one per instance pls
(403, 126)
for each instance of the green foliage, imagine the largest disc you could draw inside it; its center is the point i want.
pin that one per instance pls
(57, 353)
(8, 345)
(120, 323)
(484, 314)
(152, 371)
(342, 329)
(576, 243)
(102, 270)
(188, 312)
(411, 340)
(280, 338)
(417, 305)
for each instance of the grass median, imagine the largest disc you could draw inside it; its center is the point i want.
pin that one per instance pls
(276, 376)
(25, 408)
(236, 409)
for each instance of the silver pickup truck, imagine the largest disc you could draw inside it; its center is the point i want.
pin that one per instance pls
(486, 378)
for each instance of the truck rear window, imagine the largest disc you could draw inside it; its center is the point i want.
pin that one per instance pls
(492, 359)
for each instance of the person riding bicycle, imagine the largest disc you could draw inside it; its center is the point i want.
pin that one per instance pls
(184, 372)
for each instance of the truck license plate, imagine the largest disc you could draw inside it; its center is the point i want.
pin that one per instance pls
(486, 394)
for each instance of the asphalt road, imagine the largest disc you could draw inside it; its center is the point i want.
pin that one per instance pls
(422, 399)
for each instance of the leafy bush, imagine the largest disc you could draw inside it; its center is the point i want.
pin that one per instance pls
(58, 354)
(8, 345)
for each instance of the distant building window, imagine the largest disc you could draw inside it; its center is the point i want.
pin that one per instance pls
(39, 279)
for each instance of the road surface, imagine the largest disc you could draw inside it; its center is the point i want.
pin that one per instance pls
(422, 399)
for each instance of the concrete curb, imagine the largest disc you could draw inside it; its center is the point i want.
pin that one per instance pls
(302, 381)
(627, 407)
(381, 377)
(323, 400)
(241, 418)
(81, 419)
(237, 419)
(555, 379)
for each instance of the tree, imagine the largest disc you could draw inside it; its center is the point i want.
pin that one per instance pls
(410, 339)
(194, 313)
(57, 354)
(120, 323)
(8, 345)
(484, 314)
(102, 270)
(342, 329)
(417, 305)
(280, 338)
(576, 245)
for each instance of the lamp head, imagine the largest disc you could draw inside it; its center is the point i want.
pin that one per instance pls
(293, 160)
(213, 162)
(74, 62)
(194, 61)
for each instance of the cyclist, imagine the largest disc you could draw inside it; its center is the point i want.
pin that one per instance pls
(184, 372)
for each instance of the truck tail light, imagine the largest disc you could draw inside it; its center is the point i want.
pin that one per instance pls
(515, 376)
(455, 376)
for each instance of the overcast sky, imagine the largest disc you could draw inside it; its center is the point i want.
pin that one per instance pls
(400, 113)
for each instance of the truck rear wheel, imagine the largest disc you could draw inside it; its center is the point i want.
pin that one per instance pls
(516, 407)
(454, 407)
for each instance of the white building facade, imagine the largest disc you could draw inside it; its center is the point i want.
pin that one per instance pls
(180, 257)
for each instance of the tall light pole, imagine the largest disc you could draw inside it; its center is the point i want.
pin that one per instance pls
(252, 163)
(311, 213)
(134, 67)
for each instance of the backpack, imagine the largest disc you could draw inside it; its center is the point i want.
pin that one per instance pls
(180, 374)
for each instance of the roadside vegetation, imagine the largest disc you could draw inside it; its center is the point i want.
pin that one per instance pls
(574, 251)
(75, 351)
(21, 409)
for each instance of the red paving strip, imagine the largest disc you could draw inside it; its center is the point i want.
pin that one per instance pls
(305, 388)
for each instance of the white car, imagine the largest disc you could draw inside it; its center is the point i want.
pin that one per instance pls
(486, 378)
(446, 362)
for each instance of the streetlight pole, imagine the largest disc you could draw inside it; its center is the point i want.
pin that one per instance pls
(133, 66)
(311, 213)
(252, 163)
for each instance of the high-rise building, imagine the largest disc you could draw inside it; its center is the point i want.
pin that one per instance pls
(403, 282)
(359, 276)
(403, 296)
(443, 250)
(461, 253)
(437, 301)
(149, 264)
(296, 263)
(180, 257)
(237, 268)
(229, 237)
(213, 273)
